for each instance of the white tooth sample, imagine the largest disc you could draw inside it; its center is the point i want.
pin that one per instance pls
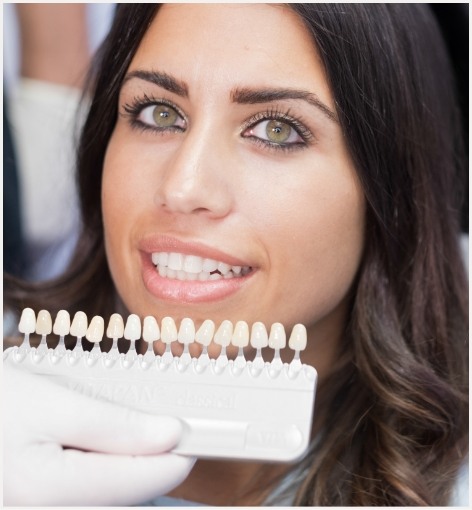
(205, 333)
(298, 338)
(133, 328)
(62, 323)
(27, 324)
(223, 268)
(168, 330)
(186, 333)
(78, 329)
(151, 334)
(277, 341)
(277, 337)
(132, 333)
(240, 337)
(209, 265)
(95, 330)
(297, 342)
(175, 261)
(259, 338)
(223, 337)
(224, 333)
(155, 258)
(115, 327)
(61, 328)
(43, 323)
(192, 264)
(168, 335)
(151, 331)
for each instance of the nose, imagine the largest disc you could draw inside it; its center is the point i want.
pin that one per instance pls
(195, 179)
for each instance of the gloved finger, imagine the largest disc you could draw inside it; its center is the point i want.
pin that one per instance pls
(71, 419)
(103, 480)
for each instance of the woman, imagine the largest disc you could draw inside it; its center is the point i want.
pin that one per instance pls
(315, 147)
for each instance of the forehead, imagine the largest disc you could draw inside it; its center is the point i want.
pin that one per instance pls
(218, 43)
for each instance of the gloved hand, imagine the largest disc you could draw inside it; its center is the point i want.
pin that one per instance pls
(63, 448)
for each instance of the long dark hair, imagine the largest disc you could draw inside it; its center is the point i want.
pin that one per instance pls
(394, 412)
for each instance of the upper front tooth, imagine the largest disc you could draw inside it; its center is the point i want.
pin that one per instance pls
(223, 268)
(175, 261)
(155, 258)
(192, 264)
(209, 265)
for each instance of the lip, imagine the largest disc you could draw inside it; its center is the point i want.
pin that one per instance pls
(179, 291)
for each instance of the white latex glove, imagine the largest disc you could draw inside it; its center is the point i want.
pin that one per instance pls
(63, 448)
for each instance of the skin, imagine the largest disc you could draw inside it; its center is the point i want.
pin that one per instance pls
(296, 216)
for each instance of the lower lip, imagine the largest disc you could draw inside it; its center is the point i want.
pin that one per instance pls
(188, 291)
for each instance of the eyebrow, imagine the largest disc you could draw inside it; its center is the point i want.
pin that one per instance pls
(255, 96)
(160, 79)
(238, 95)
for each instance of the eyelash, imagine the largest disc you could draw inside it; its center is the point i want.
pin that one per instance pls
(135, 108)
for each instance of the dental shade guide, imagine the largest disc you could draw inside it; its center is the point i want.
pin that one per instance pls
(236, 409)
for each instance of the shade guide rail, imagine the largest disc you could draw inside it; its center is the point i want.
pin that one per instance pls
(251, 409)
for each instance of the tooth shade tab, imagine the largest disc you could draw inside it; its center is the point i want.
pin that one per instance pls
(95, 330)
(205, 332)
(259, 337)
(62, 323)
(186, 333)
(79, 325)
(151, 332)
(224, 333)
(298, 338)
(27, 324)
(115, 327)
(240, 336)
(168, 330)
(133, 328)
(277, 337)
(43, 323)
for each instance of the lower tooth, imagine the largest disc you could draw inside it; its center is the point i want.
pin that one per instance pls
(228, 275)
(215, 276)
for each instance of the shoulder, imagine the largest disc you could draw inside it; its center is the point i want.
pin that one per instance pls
(460, 491)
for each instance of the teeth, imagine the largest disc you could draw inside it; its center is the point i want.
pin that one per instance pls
(277, 338)
(79, 325)
(186, 331)
(205, 332)
(168, 330)
(224, 333)
(259, 337)
(191, 267)
(240, 336)
(298, 338)
(115, 326)
(95, 330)
(62, 323)
(151, 331)
(133, 328)
(27, 323)
(43, 323)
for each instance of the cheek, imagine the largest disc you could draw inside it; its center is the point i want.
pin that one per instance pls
(316, 239)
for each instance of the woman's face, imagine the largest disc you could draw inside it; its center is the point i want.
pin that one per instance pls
(227, 158)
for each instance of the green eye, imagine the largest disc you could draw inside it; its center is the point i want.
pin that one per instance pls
(278, 132)
(161, 117)
(164, 116)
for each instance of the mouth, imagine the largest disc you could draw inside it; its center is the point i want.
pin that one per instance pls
(181, 272)
(178, 266)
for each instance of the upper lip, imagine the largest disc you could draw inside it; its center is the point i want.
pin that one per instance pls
(164, 243)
